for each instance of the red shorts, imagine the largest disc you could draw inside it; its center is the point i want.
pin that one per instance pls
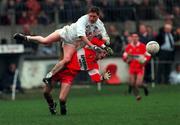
(136, 71)
(65, 76)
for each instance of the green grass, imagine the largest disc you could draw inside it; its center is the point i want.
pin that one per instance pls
(86, 106)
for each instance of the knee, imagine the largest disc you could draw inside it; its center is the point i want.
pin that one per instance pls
(62, 98)
(67, 59)
(45, 40)
(46, 94)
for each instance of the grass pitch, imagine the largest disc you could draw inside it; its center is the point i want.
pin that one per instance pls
(87, 106)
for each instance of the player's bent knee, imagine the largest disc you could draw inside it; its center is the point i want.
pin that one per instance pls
(67, 59)
(62, 98)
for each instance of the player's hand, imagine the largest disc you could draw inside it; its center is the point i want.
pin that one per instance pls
(129, 58)
(96, 48)
(109, 51)
(99, 36)
(107, 75)
(141, 59)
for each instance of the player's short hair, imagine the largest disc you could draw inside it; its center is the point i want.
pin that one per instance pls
(94, 9)
(134, 33)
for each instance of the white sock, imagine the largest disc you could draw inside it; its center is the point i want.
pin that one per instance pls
(28, 38)
(49, 75)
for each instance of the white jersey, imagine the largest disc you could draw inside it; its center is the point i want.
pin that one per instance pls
(71, 33)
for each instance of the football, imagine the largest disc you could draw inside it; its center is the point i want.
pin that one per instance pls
(152, 47)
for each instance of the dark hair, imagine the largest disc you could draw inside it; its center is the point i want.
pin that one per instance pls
(94, 9)
(177, 65)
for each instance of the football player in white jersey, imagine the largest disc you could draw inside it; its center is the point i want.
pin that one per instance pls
(84, 29)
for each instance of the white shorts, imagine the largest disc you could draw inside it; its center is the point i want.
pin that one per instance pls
(67, 35)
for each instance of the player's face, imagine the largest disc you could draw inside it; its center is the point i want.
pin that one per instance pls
(93, 17)
(135, 38)
(101, 55)
(129, 39)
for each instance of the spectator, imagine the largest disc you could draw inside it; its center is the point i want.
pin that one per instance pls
(176, 13)
(124, 36)
(19, 8)
(5, 19)
(76, 10)
(8, 77)
(160, 10)
(89, 3)
(4, 41)
(174, 77)
(177, 35)
(169, 4)
(43, 19)
(106, 9)
(116, 43)
(122, 11)
(32, 19)
(34, 7)
(151, 34)
(63, 10)
(49, 8)
(23, 18)
(10, 5)
(143, 34)
(145, 10)
(166, 53)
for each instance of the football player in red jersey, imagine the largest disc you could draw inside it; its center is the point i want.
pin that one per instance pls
(84, 59)
(136, 56)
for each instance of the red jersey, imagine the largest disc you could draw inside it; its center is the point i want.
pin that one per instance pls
(83, 59)
(134, 52)
(98, 42)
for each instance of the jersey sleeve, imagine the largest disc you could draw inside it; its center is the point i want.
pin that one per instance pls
(125, 54)
(146, 54)
(81, 26)
(95, 75)
(98, 42)
(104, 34)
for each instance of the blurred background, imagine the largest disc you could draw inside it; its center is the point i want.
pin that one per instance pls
(121, 17)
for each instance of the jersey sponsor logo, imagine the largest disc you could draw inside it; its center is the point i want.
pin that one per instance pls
(92, 30)
(82, 59)
(83, 62)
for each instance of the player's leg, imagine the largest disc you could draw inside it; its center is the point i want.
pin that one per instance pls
(131, 81)
(49, 99)
(129, 88)
(65, 89)
(53, 37)
(139, 82)
(68, 50)
(133, 84)
(140, 78)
